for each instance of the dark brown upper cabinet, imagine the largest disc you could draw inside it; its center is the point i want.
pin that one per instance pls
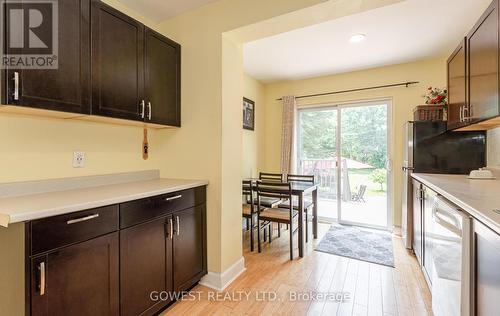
(473, 76)
(482, 45)
(135, 70)
(162, 79)
(66, 88)
(457, 86)
(117, 64)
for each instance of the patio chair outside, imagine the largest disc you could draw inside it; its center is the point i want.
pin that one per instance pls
(358, 197)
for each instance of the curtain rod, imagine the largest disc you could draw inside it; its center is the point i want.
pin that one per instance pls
(354, 90)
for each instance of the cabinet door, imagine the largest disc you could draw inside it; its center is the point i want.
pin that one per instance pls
(162, 79)
(486, 265)
(457, 88)
(117, 63)
(78, 280)
(417, 220)
(145, 259)
(189, 246)
(66, 88)
(482, 43)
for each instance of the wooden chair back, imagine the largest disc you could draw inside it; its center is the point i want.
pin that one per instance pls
(271, 177)
(300, 178)
(248, 192)
(273, 189)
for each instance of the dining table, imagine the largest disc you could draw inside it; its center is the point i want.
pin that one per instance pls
(300, 190)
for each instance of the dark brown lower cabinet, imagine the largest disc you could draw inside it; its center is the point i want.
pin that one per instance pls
(188, 245)
(125, 259)
(146, 265)
(81, 279)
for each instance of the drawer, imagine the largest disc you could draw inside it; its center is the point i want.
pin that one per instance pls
(139, 211)
(54, 232)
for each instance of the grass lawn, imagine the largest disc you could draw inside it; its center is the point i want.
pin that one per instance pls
(362, 176)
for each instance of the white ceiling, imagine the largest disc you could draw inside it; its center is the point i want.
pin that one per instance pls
(160, 10)
(402, 32)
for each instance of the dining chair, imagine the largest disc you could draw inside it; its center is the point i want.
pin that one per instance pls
(308, 203)
(270, 177)
(248, 208)
(278, 215)
(249, 211)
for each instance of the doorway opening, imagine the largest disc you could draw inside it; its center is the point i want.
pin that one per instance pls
(346, 147)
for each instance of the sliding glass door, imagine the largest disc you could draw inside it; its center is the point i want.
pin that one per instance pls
(346, 148)
(317, 155)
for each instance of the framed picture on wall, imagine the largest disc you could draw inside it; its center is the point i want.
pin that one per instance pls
(248, 114)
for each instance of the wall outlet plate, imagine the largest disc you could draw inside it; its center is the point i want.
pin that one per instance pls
(78, 159)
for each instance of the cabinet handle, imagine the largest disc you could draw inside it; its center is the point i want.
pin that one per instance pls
(173, 198)
(16, 85)
(143, 105)
(171, 228)
(469, 113)
(150, 107)
(461, 114)
(42, 278)
(82, 219)
(178, 225)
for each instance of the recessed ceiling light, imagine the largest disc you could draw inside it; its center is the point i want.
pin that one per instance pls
(356, 38)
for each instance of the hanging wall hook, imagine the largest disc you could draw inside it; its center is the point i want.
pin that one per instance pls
(145, 145)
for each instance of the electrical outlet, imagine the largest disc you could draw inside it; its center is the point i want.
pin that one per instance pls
(78, 159)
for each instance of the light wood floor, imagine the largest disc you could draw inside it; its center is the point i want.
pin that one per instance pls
(375, 289)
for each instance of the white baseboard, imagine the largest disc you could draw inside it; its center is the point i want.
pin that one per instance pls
(219, 281)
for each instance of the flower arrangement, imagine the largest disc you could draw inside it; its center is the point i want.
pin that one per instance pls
(436, 96)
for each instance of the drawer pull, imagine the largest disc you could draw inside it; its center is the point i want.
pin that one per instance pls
(178, 225)
(42, 278)
(173, 198)
(82, 219)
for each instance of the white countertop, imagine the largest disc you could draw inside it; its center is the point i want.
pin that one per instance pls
(22, 208)
(477, 197)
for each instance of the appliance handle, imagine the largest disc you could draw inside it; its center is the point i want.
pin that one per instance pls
(440, 217)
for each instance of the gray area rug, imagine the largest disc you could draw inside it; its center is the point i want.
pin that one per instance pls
(358, 243)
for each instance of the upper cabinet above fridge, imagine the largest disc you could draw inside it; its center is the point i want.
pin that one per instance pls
(473, 82)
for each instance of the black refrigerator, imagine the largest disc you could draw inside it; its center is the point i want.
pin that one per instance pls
(430, 148)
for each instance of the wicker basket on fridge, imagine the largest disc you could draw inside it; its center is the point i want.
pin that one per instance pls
(428, 113)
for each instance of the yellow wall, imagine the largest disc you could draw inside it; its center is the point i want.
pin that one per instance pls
(428, 73)
(253, 141)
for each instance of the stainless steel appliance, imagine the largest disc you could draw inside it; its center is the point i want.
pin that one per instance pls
(447, 237)
(429, 148)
